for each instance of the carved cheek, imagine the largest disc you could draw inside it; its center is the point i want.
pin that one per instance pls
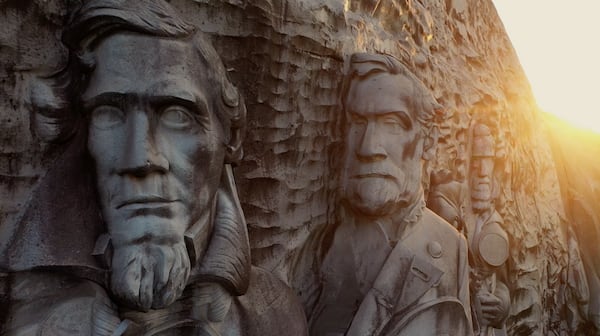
(487, 167)
(197, 155)
(411, 146)
(355, 137)
(105, 146)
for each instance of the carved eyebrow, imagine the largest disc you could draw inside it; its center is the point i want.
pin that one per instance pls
(199, 106)
(107, 98)
(355, 116)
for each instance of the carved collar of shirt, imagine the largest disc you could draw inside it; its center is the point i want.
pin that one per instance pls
(403, 223)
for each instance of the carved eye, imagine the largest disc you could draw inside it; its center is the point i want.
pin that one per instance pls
(107, 116)
(177, 117)
(392, 121)
(397, 121)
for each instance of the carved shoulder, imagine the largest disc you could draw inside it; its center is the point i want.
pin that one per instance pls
(269, 307)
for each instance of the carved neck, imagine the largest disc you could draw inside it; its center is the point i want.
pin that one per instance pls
(405, 219)
(483, 209)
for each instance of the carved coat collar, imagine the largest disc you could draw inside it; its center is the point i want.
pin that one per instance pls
(403, 279)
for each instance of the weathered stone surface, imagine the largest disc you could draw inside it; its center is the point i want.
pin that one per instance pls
(576, 154)
(287, 59)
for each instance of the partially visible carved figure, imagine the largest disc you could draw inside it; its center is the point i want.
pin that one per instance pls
(447, 198)
(390, 266)
(488, 242)
(138, 229)
(447, 194)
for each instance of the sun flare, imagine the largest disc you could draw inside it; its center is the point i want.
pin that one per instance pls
(556, 45)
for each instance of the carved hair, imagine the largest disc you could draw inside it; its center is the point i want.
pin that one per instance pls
(55, 99)
(363, 65)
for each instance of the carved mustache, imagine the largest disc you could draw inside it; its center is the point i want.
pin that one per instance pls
(378, 171)
(483, 184)
(388, 173)
(124, 193)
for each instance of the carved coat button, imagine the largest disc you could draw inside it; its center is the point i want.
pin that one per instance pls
(435, 249)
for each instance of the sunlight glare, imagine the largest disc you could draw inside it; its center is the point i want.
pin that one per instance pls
(560, 54)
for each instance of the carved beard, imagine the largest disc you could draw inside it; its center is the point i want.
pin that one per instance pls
(479, 205)
(374, 196)
(390, 189)
(148, 274)
(481, 199)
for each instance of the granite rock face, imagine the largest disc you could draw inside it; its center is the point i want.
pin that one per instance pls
(287, 58)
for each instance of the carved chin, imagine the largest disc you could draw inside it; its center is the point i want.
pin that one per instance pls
(374, 196)
(480, 205)
(149, 275)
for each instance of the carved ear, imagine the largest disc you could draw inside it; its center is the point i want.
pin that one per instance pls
(234, 151)
(430, 143)
(235, 103)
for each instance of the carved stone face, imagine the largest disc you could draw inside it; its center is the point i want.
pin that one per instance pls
(482, 168)
(157, 145)
(159, 150)
(384, 145)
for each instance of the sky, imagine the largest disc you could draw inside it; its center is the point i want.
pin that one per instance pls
(558, 44)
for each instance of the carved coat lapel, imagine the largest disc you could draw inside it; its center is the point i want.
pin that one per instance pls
(403, 279)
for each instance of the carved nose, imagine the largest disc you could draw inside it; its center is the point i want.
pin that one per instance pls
(485, 169)
(140, 155)
(370, 147)
(482, 171)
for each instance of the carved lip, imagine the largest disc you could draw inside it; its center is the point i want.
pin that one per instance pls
(481, 180)
(144, 202)
(373, 175)
(482, 185)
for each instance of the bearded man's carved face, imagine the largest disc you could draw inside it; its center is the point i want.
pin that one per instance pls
(384, 146)
(158, 149)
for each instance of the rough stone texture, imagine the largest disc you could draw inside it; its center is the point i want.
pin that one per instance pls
(576, 153)
(287, 59)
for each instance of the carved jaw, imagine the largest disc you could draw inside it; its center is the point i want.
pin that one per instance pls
(225, 259)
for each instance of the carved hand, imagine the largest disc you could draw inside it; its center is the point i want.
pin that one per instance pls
(204, 305)
(493, 308)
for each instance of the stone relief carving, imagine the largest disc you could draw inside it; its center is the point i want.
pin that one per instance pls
(488, 242)
(138, 229)
(390, 266)
(447, 192)
(286, 58)
(481, 224)
(447, 198)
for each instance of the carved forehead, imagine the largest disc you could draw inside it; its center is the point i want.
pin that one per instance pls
(380, 93)
(483, 141)
(140, 64)
(115, 45)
